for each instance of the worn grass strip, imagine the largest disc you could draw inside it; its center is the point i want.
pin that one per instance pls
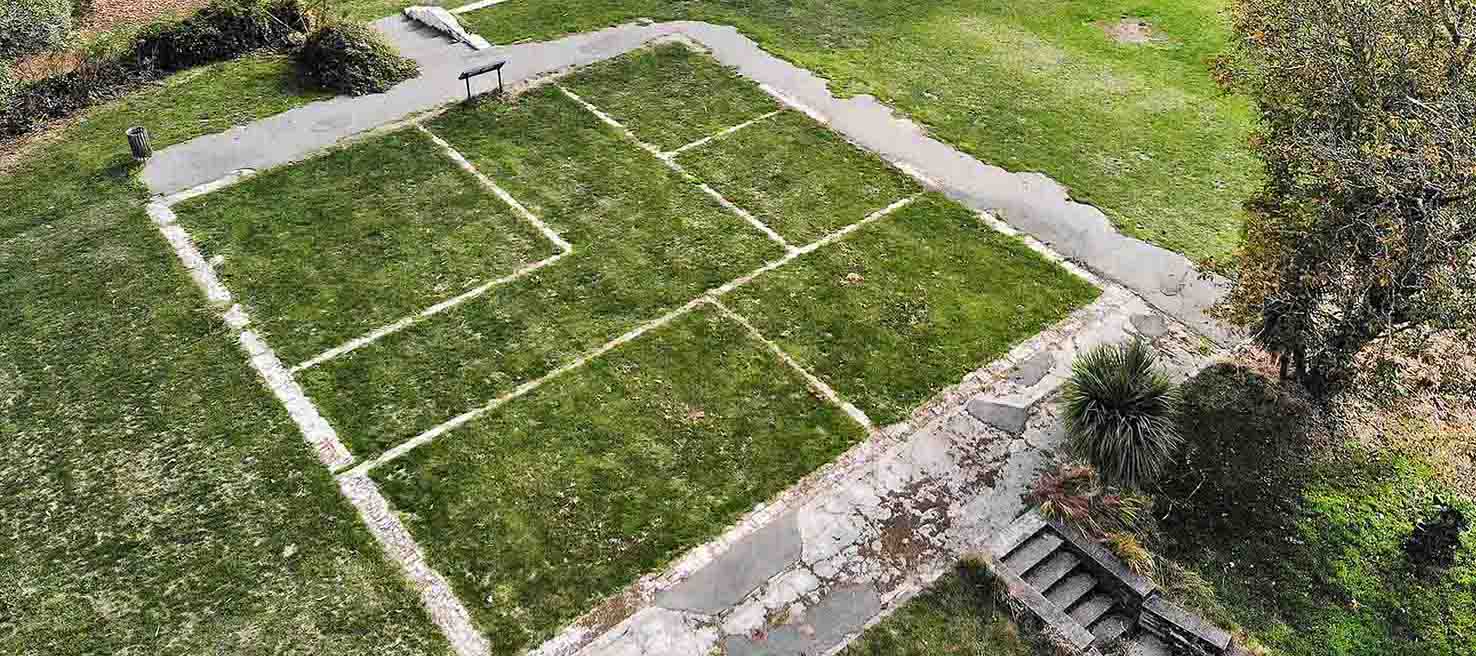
(670, 161)
(647, 242)
(711, 296)
(907, 306)
(670, 95)
(335, 247)
(797, 176)
(725, 132)
(570, 493)
(820, 386)
(391, 328)
(445, 610)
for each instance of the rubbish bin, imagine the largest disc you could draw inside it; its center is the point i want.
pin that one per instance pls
(138, 141)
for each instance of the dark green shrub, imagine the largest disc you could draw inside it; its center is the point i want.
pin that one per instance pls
(35, 103)
(1120, 412)
(1432, 547)
(31, 26)
(221, 30)
(353, 59)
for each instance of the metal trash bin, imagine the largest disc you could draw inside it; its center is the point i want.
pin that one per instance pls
(138, 142)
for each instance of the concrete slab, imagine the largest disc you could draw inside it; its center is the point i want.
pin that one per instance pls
(841, 613)
(731, 576)
(1150, 326)
(1033, 369)
(1006, 417)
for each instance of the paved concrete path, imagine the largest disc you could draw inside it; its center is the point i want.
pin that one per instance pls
(807, 572)
(1030, 202)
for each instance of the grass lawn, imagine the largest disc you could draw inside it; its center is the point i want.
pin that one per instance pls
(956, 617)
(319, 262)
(645, 243)
(1317, 565)
(159, 500)
(572, 492)
(1139, 130)
(910, 304)
(156, 498)
(798, 177)
(670, 95)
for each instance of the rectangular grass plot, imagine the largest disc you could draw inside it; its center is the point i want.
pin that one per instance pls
(559, 498)
(797, 176)
(329, 249)
(910, 304)
(645, 242)
(670, 95)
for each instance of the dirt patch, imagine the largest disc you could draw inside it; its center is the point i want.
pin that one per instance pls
(111, 14)
(1131, 30)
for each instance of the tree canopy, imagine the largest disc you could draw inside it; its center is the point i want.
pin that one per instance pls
(1362, 239)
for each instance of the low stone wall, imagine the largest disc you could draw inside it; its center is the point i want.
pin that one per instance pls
(1183, 631)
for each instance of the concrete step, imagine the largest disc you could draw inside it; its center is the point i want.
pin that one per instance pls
(1052, 570)
(1093, 608)
(1146, 644)
(1071, 589)
(1033, 551)
(1108, 629)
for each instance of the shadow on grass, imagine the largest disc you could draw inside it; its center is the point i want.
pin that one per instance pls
(1248, 440)
(1301, 531)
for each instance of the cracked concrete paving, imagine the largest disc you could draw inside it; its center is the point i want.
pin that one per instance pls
(884, 525)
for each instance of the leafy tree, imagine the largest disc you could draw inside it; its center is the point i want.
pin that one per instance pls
(1361, 244)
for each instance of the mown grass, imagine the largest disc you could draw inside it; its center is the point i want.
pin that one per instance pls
(1300, 530)
(669, 95)
(798, 177)
(645, 242)
(1141, 131)
(957, 616)
(564, 496)
(320, 261)
(910, 304)
(154, 497)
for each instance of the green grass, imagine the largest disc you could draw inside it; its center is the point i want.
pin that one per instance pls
(910, 304)
(645, 242)
(1140, 131)
(561, 497)
(798, 177)
(319, 261)
(957, 616)
(154, 497)
(669, 95)
(1301, 531)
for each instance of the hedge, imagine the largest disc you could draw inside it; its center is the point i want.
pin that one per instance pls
(353, 59)
(224, 29)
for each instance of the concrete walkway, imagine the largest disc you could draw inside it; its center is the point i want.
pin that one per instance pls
(807, 572)
(1031, 203)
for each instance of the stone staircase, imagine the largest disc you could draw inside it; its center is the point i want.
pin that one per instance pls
(1078, 588)
(1089, 599)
